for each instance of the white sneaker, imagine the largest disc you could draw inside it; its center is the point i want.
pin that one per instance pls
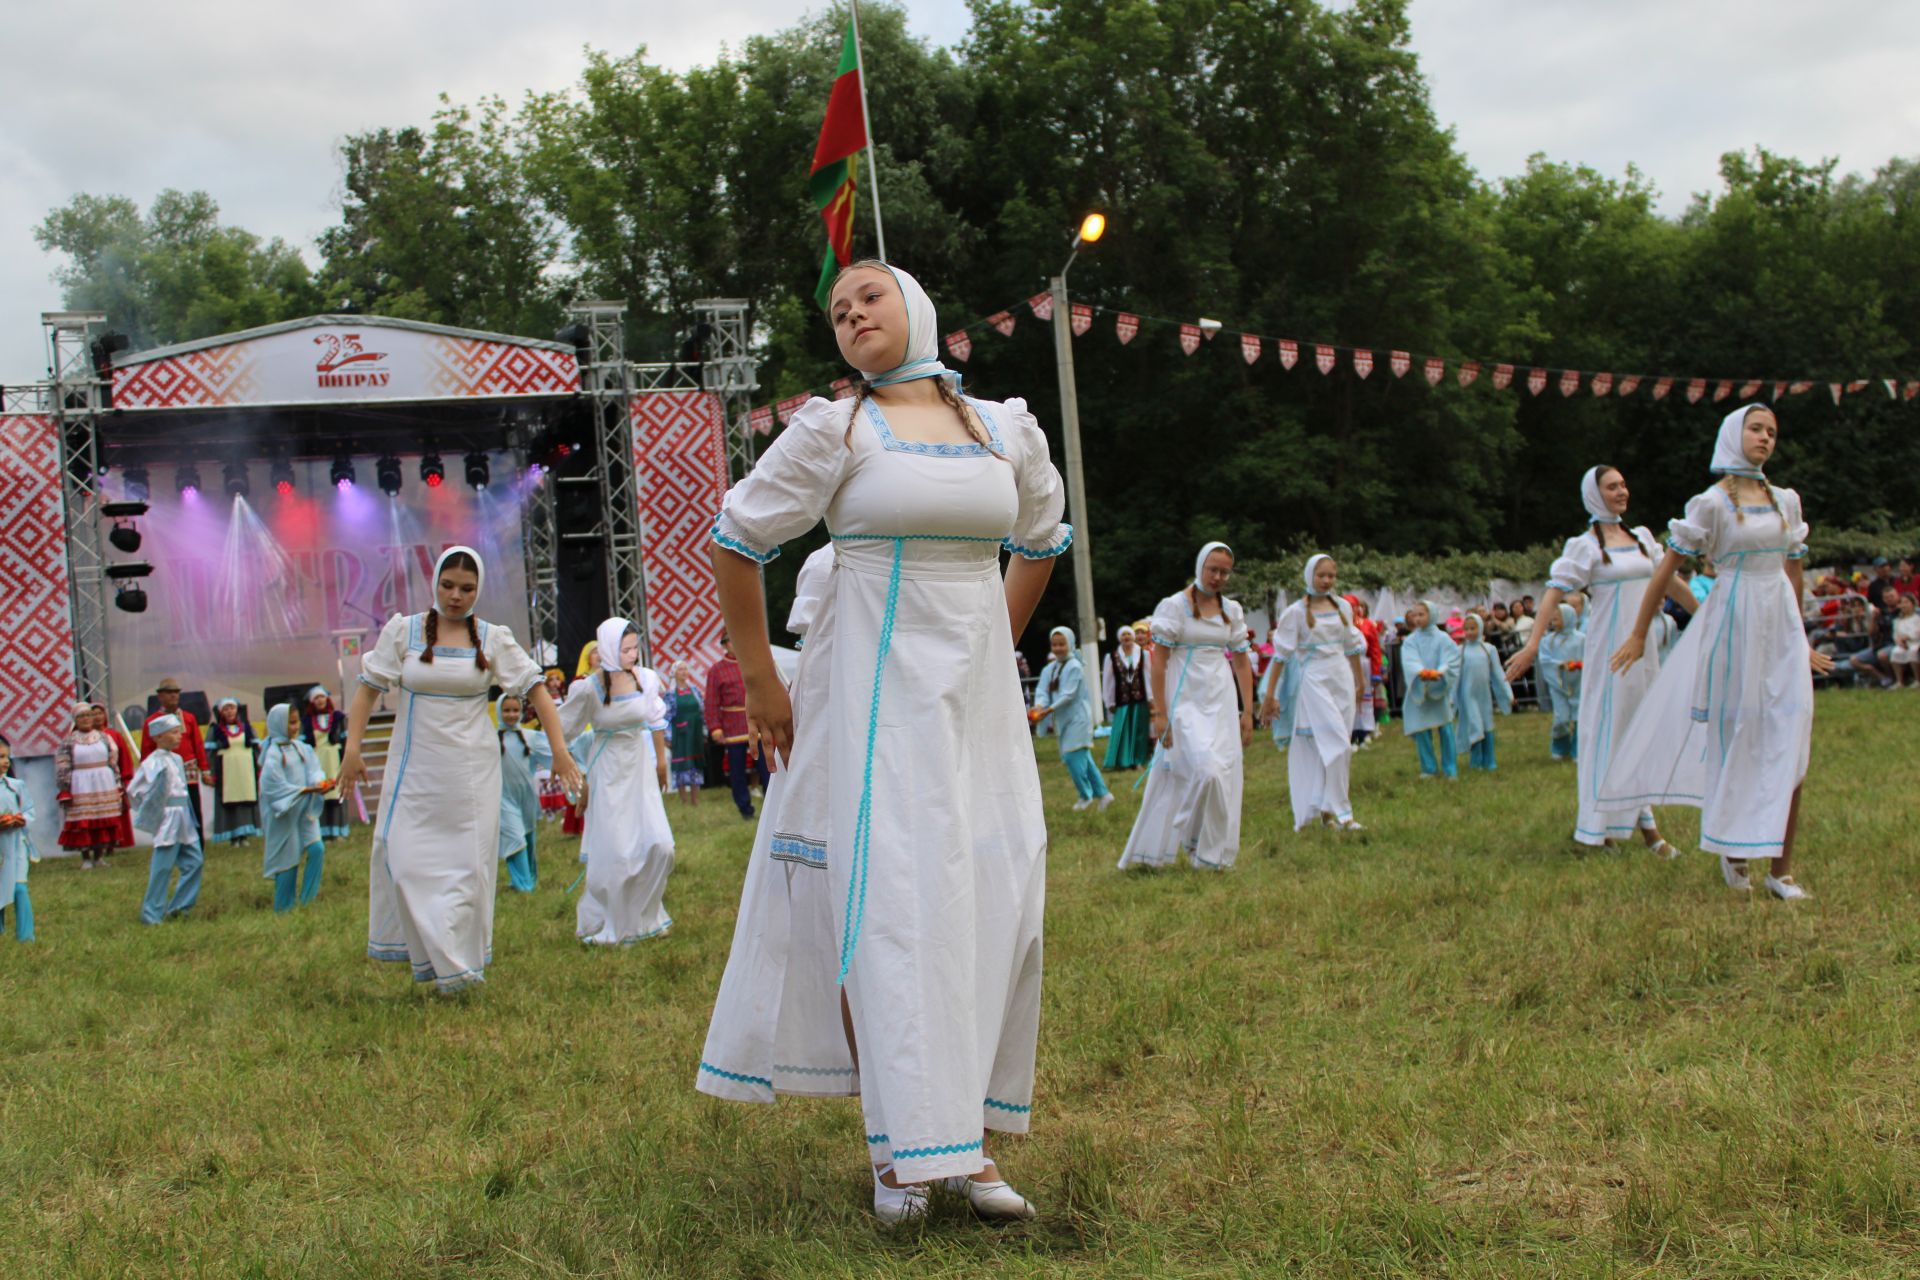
(1784, 888)
(992, 1199)
(1735, 874)
(1078, 805)
(895, 1205)
(1104, 803)
(1348, 824)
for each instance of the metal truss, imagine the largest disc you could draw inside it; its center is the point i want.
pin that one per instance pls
(608, 382)
(541, 548)
(77, 396)
(731, 372)
(34, 399)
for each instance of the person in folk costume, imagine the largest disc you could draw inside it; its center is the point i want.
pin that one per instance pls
(1192, 800)
(1278, 694)
(16, 847)
(1613, 565)
(163, 802)
(523, 755)
(726, 719)
(88, 781)
(589, 661)
(1365, 726)
(1062, 699)
(688, 740)
(1317, 634)
(553, 800)
(627, 843)
(927, 805)
(325, 730)
(129, 761)
(1482, 690)
(293, 789)
(193, 746)
(573, 819)
(1432, 663)
(236, 791)
(1728, 723)
(1664, 633)
(435, 853)
(1559, 671)
(1123, 684)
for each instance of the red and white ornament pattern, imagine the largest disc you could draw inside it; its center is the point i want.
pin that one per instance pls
(36, 674)
(680, 459)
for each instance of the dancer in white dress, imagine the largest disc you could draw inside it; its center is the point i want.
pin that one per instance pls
(435, 852)
(1317, 633)
(1192, 800)
(1728, 724)
(1614, 565)
(627, 843)
(915, 747)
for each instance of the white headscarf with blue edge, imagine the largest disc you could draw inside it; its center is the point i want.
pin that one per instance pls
(921, 358)
(1598, 512)
(479, 573)
(1729, 447)
(1200, 564)
(1306, 574)
(607, 638)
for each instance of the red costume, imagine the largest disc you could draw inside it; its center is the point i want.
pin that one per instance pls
(726, 702)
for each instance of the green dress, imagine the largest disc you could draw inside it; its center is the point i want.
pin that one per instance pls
(688, 740)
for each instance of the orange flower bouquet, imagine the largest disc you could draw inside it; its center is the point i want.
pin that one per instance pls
(1574, 665)
(1036, 714)
(1428, 673)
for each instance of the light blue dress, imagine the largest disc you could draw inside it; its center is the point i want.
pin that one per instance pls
(1481, 691)
(16, 849)
(521, 753)
(290, 813)
(1560, 687)
(1063, 687)
(1426, 713)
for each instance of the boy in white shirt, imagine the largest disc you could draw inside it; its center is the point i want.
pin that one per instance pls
(162, 804)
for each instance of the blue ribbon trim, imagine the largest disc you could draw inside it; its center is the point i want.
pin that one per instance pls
(710, 1069)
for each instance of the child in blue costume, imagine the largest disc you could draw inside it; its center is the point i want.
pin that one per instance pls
(162, 804)
(1063, 697)
(1482, 691)
(293, 787)
(1426, 714)
(16, 847)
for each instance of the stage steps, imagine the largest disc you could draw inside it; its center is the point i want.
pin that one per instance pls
(373, 752)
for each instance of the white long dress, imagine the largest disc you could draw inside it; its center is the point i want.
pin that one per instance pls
(931, 831)
(1728, 724)
(626, 841)
(1321, 759)
(1615, 586)
(1192, 800)
(435, 858)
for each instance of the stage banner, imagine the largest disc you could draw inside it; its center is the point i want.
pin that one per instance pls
(36, 654)
(250, 593)
(328, 359)
(680, 459)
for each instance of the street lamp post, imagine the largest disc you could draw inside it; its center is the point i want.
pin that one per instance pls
(1092, 227)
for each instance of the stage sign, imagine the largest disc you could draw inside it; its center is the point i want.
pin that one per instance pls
(340, 359)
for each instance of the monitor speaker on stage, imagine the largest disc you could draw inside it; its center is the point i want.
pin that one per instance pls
(191, 700)
(294, 693)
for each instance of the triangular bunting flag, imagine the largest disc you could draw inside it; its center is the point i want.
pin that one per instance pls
(1858, 384)
(1436, 369)
(1399, 362)
(1569, 381)
(1748, 388)
(959, 345)
(786, 407)
(761, 420)
(1661, 387)
(1003, 321)
(1502, 376)
(1536, 380)
(1892, 394)
(1323, 358)
(1189, 338)
(843, 388)
(1799, 388)
(1695, 389)
(1125, 326)
(1082, 318)
(1722, 390)
(1289, 353)
(1911, 390)
(1041, 304)
(1629, 384)
(1249, 347)
(1602, 383)
(1779, 389)
(1468, 372)
(1363, 362)
(1836, 389)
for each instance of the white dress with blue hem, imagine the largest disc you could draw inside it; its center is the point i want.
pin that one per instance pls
(1319, 647)
(1728, 725)
(1192, 799)
(1615, 584)
(914, 741)
(435, 836)
(626, 840)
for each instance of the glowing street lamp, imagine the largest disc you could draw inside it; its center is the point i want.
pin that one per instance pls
(1092, 227)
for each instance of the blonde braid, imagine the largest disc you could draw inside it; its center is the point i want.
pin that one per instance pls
(1732, 485)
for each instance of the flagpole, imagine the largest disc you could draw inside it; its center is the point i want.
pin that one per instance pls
(866, 123)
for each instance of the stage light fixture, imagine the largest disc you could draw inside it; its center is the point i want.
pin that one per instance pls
(234, 476)
(387, 471)
(137, 486)
(186, 478)
(282, 474)
(341, 475)
(124, 537)
(130, 598)
(479, 470)
(126, 595)
(432, 470)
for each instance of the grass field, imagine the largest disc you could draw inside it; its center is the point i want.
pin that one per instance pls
(1454, 1045)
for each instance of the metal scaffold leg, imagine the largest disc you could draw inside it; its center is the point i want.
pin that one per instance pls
(78, 396)
(731, 372)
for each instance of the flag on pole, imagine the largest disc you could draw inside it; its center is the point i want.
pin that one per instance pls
(831, 180)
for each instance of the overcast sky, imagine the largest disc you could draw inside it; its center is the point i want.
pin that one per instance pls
(249, 101)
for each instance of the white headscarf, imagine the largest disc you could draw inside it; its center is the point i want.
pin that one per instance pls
(1307, 573)
(1729, 452)
(318, 691)
(1597, 510)
(1068, 633)
(921, 357)
(479, 572)
(164, 724)
(1200, 563)
(607, 637)
(1120, 654)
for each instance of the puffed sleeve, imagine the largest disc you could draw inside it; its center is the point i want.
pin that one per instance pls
(790, 487)
(655, 689)
(1170, 618)
(380, 666)
(513, 669)
(576, 713)
(1238, 641)
(1038, 532)
(1291, 634)
(1789, 500)
(1356, 646)
(1573, 571)
(1697, 532)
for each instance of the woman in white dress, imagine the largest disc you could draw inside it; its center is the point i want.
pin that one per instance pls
(1317, 633)
(627, 843)
(927, 814)
(1613, 565)
(1728, 723)
(435, 853)
(1192, 800)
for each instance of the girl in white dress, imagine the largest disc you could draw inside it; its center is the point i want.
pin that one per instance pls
(1614, 565)
(1192, 800)
(435, 852)
(1317, 633)
(925, 808)
(627, 843)
(1728, 723)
